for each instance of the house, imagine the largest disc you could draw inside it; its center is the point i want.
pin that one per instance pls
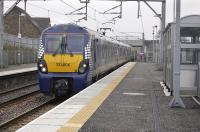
(17, 20)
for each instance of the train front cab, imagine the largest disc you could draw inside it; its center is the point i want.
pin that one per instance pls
(64, 60)
(61, 83)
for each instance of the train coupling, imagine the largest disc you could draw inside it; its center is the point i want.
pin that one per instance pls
(61, 87)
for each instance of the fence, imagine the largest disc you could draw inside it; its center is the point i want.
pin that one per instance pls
(18, 50)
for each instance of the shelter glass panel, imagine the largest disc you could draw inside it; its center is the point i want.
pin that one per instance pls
(190, 40)
(188, 56)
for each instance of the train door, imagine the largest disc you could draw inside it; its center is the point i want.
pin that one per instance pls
(117, 54)
(94, 51)
(94, 47)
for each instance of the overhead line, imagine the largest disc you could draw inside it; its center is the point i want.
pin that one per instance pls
(80, 11)
(62, 13)
(68, 4)
(92, 17)
(141, 20)
(106, 18)
(49, 10)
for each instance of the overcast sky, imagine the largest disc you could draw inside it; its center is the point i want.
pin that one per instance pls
(56, 10)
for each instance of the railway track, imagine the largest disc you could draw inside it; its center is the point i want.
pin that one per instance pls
(18, 88)
(28, 104)
(13, 111)
(20, 92)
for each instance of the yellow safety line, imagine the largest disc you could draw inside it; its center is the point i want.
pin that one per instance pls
(79, 119)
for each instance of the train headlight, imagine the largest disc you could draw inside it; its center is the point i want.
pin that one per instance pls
(44, 69)
(83, 66)
(81, 69)
(42, 66)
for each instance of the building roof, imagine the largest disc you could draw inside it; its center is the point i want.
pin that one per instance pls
(43, 22)
(39, 22)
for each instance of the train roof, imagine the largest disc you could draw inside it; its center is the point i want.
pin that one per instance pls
(71, 27)
(99, 35)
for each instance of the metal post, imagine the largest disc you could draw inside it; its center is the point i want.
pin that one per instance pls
(177, 101)
(156, 44)
(174, 11)
(162, 32)
(19, 30)
(32, 59)
(143, 43)
(19, 37)
(1, 32)
(121, 10)
(86, 8)
(1, 24)
(153, 46)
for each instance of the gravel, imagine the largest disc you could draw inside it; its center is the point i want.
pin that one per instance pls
(21, 106)
(18, 93)
(31, 116)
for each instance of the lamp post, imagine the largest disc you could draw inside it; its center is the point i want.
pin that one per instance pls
(156, 45)
(19, 37)
(1, 33)
(153, 46)
(19, 29)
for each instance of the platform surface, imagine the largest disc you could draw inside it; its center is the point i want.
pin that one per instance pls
(129, 99)
(15, 69)
(79, 107)
(138, 104)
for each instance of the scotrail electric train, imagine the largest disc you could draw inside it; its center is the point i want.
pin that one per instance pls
(71, 56)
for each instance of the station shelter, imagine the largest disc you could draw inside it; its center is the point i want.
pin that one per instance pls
(189, 55)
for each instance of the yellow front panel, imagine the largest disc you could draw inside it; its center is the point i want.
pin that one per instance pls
(63, 62)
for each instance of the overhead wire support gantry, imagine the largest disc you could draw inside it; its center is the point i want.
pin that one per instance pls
(94, 19)
(112, 21)
(77, 11)
(118, 6)
(104, 32)
(162, 19)
(157, 15)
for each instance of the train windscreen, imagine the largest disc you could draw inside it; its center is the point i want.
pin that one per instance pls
(57, 44)
(75, 43)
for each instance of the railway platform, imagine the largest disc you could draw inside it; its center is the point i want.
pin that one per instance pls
(15, 69)
(129, 99)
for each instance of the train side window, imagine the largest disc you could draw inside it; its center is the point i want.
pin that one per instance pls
(103, 51)
(100, 55)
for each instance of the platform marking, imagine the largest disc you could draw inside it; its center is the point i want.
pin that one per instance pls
(130, 106)
(79, 119)
(134, 94)
(17, 71)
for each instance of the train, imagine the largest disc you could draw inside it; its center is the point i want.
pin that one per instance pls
(70, 57)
